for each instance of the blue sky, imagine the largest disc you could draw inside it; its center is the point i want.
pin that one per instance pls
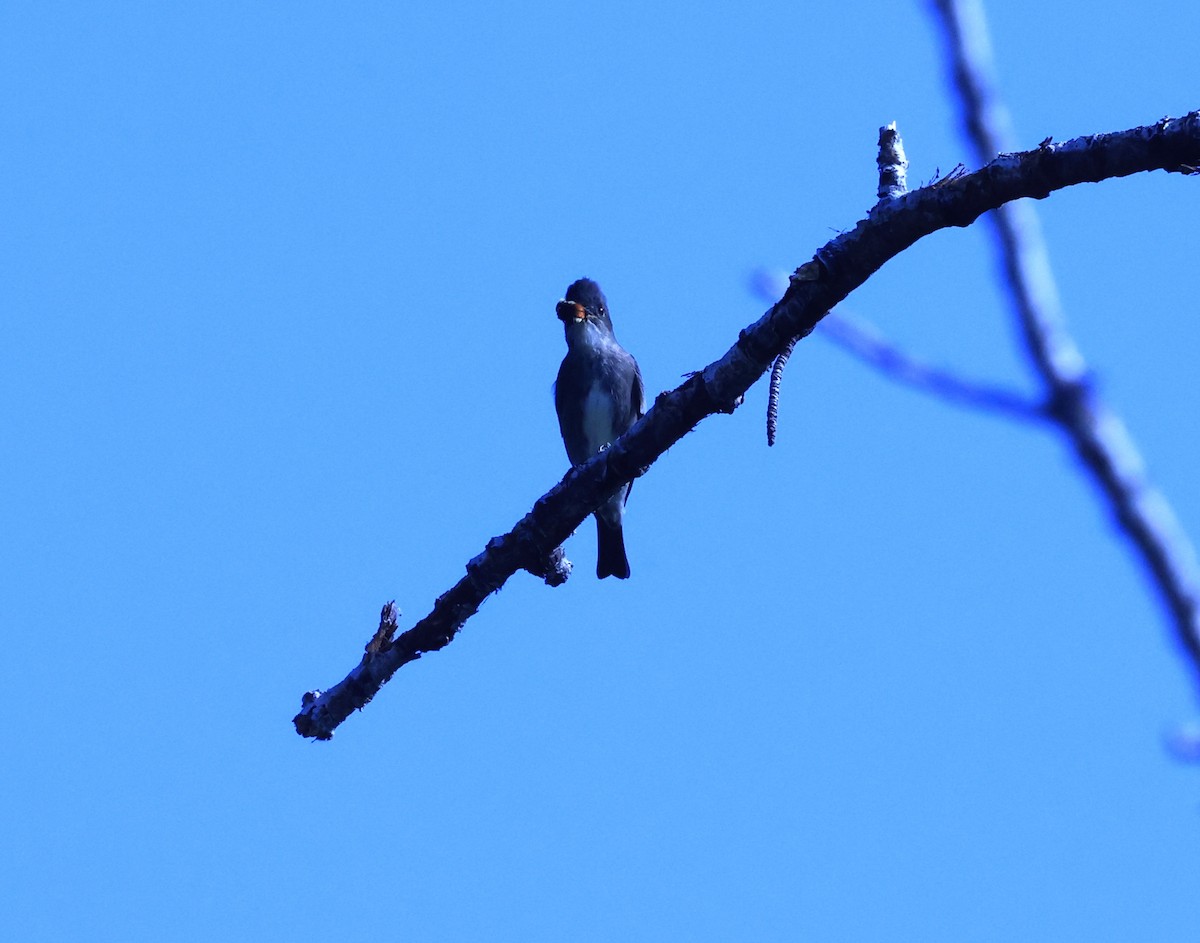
(278, 343)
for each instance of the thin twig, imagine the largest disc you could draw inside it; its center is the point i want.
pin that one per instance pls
(1098, 435)
(865, 342)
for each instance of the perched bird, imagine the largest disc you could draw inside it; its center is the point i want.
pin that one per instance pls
(598, 396)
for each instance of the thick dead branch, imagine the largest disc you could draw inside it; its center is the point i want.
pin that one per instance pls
(840, 266)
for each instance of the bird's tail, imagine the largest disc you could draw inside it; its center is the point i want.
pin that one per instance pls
(610, 552)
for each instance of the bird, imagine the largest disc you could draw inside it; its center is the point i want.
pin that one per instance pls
(598, 395)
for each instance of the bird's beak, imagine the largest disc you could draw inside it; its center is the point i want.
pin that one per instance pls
(569, 311)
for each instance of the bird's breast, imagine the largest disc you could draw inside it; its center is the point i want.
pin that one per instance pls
(598, 418)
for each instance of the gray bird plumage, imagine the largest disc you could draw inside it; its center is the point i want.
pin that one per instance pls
(598, 395)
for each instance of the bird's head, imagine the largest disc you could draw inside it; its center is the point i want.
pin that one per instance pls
(584, 305)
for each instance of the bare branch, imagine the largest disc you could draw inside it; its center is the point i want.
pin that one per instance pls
(865, 342)
(1098, 435)
(840, 266)
(1023, 253)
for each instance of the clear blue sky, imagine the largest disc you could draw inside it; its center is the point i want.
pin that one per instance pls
(278, 336)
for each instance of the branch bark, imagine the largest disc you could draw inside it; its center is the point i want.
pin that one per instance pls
(837, 269)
